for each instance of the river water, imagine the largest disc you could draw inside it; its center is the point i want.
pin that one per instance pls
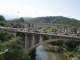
(45, 52)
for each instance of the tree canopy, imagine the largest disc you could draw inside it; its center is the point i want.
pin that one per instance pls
(14, 46)
(4, 36)
(19, 19)
(2, 18)
(56, 20)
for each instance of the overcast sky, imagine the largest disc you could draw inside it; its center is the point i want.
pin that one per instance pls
(38, 8)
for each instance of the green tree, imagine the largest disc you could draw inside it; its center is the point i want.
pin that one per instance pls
(32, 54)
(1, 57)
(78, 53)
(2, 18)
(4, 36)
(19, 20)
(16, 50)
(14, 45)
(2, 23)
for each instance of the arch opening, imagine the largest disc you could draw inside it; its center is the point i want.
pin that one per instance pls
(74, 30)
(46, 41)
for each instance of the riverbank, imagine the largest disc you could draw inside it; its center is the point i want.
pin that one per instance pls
(52, 51)
(56, 49)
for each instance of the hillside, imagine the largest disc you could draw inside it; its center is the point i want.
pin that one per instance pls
(27, 18)
(56, 20)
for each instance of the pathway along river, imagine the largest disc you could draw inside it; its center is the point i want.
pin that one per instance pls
(45, 52)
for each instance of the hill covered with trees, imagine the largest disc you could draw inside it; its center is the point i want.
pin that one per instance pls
(56, 20)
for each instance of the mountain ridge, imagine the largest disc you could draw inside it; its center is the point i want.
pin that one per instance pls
(56, 20)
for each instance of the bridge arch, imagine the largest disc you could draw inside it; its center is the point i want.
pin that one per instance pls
(34, 46)
(32, 40)
(74, 30)
(48, 28)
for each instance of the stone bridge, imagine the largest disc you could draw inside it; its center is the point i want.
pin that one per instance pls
(59, 27)
(32, 39)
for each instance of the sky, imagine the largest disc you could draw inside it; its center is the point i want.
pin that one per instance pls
(40, 8)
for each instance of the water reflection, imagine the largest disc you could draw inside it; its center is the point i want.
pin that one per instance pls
(41, 53)
(44, 52)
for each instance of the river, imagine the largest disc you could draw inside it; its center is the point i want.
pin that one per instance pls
(45, 52)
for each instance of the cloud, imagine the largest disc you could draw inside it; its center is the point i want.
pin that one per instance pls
(4, 7)
(65, 9)
(64, 14)
(35, 13)
(12, 11)
(45, 13)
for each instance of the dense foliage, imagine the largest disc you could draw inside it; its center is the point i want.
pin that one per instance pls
(2, 18)
(17, 25)
(32, 54)
(19, 19)
(14, 46)
(49, 29)
(4, 36)
(56, 20)
(69, 48)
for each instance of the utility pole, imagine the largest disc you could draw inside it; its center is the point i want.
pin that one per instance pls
(16, 21)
